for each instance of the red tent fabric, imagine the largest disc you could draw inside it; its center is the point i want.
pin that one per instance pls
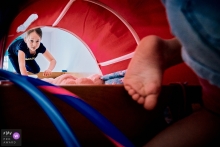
(111, 29)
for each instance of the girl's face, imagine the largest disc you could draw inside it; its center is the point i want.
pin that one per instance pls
(33, 41)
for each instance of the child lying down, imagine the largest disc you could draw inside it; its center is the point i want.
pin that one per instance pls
(68, 79)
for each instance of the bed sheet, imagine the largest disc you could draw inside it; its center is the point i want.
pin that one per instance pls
(69, 79)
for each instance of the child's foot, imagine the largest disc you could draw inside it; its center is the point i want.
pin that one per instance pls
(144, 74)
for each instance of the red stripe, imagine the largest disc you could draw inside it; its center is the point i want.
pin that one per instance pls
(117, 144)
(57, 90)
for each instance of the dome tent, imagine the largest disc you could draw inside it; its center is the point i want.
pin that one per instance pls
(110, 29)
(86, 18)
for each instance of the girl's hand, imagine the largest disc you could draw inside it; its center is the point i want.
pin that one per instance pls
(47, 72)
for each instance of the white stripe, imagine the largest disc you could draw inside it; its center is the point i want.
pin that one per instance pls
(133, 32)
(115, 60)
(27, 23)
(63, 12)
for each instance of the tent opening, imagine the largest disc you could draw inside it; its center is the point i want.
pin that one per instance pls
(70, 52)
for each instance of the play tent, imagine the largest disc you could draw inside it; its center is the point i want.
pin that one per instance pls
(109, 29)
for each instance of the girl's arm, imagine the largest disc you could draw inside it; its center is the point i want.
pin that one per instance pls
(21, 61)
(52, 61)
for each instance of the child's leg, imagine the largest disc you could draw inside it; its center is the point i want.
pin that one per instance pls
(32, 67)
(14, 62)
(200, 129)
(144, 74)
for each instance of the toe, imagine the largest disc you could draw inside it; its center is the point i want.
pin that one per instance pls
(135, 96)
(150, 101)
(140, 100)
(127, 87)
(131, 92)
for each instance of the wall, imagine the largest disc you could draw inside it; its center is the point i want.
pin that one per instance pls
(70, 53)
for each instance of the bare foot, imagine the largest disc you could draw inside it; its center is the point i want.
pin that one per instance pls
(144, 74)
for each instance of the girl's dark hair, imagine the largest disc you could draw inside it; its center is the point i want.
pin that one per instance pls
(37, 30)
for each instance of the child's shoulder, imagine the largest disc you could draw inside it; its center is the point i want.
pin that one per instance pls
(21, 44)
